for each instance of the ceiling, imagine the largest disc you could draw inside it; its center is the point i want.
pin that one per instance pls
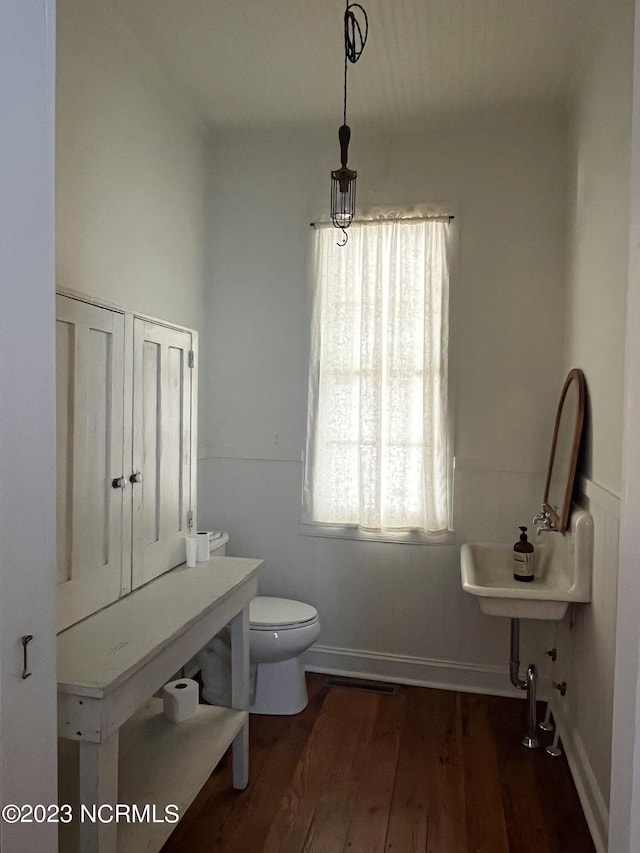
(261, 63)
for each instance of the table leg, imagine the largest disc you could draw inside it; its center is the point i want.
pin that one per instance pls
(98, 786)
(240, 694)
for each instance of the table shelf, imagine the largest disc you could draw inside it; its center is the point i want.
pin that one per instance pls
(116, 745)
(160, 763)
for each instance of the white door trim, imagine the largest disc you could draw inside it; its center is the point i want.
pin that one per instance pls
(28, 760)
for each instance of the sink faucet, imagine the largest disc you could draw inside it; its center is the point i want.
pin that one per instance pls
(541, 516)
(546, 525)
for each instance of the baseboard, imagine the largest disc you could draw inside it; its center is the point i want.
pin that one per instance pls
(422, 672)
(594, 807)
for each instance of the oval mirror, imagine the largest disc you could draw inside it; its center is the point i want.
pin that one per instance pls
(564, 450)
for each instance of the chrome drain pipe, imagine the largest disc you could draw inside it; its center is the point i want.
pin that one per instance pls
(530, 740)
(530, 684)
(514, 662)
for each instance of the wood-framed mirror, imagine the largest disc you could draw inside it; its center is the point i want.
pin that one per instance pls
(565, 448)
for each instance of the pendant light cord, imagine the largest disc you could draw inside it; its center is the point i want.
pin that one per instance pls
(355, 39)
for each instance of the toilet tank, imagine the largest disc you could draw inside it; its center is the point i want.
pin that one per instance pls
(218, 543)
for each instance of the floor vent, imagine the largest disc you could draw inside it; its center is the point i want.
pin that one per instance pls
(359, 684)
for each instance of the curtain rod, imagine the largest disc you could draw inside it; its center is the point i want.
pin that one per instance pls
(435, 218)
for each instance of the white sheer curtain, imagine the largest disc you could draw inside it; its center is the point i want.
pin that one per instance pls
(378, 452)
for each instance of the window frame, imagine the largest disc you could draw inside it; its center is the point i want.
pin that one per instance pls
(311, 528)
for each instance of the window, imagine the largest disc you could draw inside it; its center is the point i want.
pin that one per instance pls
(378, 451)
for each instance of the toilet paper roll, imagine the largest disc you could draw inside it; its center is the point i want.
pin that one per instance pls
(180, 699)
(203, 545)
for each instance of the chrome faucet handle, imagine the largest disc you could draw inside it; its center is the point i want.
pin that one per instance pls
(543, 516)
(547, 526)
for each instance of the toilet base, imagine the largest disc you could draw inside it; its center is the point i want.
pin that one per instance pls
(281, 688)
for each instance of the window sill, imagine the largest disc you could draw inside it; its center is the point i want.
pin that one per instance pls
(408, 537)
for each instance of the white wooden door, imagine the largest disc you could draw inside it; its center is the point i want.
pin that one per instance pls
(90, 347)
(162, 447)
(27, 419)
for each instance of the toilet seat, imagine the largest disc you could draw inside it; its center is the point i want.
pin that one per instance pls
(279, 614)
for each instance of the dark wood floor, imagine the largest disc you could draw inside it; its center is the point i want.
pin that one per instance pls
(425, 770)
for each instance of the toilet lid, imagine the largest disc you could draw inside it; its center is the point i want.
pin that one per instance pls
(268, 612)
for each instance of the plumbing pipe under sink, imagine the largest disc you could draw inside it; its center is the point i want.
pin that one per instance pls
(529, 684)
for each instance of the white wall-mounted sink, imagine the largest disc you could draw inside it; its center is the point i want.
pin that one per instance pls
(563, 568)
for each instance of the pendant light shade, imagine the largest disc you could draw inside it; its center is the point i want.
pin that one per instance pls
(343, 185)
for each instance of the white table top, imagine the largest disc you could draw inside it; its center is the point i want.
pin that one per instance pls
(103, 650)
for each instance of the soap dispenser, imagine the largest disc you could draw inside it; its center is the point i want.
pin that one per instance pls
(523, 558)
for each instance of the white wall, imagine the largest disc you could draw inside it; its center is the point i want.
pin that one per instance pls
(130, 173)
(599, 157)
(600, 135)
(624, 826)
(27, 418)
(393, 610)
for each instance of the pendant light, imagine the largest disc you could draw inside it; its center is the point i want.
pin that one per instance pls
(343, 180)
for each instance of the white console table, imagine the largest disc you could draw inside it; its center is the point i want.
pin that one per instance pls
(109, 667)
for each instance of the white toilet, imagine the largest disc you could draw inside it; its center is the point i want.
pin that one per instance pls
(280, 630)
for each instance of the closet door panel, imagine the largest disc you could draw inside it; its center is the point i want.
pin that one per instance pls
(162, 385)
(151, 397)
(65, 337)
(89, 456)
(174, 470)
